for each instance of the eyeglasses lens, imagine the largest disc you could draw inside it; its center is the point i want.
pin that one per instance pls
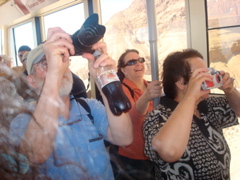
(134, 61)
(42, 65)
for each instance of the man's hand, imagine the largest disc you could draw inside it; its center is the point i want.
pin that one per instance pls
(57, 49)
(102, 60)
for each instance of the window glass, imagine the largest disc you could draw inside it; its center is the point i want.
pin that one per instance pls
(224, 54)
(223, 13)
(23, 35)
(127, 28)
(171, 27)
(224, 41)
(70, 20)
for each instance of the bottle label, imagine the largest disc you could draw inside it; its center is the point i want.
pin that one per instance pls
(107, 77)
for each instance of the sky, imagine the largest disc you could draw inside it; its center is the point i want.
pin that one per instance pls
(115, 6)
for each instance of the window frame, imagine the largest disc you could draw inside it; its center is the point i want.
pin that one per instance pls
(13, 51)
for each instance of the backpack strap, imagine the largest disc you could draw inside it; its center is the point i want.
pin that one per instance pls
(84, 104)
(130, 90)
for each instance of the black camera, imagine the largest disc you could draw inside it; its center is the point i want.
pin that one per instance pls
(90, 33)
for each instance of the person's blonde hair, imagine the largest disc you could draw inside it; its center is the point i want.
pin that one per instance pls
(6, 60)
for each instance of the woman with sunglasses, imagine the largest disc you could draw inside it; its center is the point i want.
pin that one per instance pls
(132, 160)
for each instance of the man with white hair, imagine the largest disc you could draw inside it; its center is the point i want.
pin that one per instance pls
(5, 64)
(6, 60)
(59, 136)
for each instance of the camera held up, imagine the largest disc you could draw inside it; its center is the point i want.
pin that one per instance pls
(215, 83)
(90, 33)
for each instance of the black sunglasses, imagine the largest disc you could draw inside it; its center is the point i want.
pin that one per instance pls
(134, 61)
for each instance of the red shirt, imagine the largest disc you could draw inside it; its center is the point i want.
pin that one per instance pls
(136, 149)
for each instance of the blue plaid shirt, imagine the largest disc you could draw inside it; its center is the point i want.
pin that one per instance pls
(79, 151)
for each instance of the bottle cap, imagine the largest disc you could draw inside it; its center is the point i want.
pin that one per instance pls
(97, 53)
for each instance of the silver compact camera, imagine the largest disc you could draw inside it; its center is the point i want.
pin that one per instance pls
(215, 83)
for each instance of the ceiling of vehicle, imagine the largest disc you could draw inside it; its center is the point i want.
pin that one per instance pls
(3, 1)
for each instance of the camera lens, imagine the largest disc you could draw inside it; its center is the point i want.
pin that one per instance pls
(90, 33)
(218, 79)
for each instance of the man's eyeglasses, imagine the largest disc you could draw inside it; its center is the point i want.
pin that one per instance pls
(134, 61)
(42, 65)
(24, 59)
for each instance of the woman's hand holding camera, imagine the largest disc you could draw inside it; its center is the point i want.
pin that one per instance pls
(227, 85)
(198, 76)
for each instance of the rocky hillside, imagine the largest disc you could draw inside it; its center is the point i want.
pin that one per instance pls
(128, 29)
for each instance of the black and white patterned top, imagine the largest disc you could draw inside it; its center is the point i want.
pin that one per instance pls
(207, 155)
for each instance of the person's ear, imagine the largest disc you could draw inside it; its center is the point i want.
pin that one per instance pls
(180, 84)
(32, 81)
(123, 71)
